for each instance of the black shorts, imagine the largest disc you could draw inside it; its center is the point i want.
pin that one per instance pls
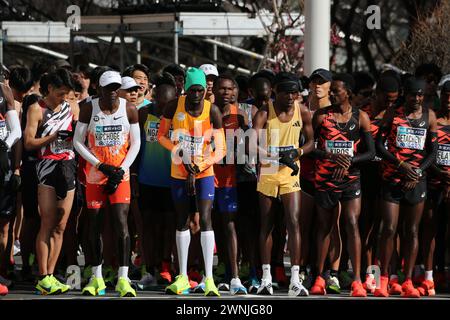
(7, 201)
(58, 174)
(29, 189)
(308, 186)
(330, 199)
(156, 199)
(394, 193)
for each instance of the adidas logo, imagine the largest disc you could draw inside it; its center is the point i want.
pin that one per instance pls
(296, 185)
(297, 124)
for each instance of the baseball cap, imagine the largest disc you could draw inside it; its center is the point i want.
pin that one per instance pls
(446, 86)
(209, 69)
(109, 77)
(128, 83)
(324, 74)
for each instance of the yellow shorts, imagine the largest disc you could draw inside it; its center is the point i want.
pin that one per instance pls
(277, 184)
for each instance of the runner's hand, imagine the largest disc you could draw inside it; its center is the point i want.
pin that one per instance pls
(409, 170)
(15, 182)
(107, 169)
(113, 181)
(190, 184)
(409, 185)
(339, 173)
(342, 160)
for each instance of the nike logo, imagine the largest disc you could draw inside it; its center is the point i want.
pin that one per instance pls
(229, 124)
(358, 192)
(117, 118)
(210, 195)
(422, 195)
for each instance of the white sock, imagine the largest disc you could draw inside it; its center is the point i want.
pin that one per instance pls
(97, 271)
(266, 272)
(393, 276)
(123, 272)
(207, 241)
(294, 274)
(429, 275)
(183, 239)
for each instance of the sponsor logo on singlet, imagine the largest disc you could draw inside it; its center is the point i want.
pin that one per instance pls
(411, 138)
(339, 147)
(108, 136)
(443, 155)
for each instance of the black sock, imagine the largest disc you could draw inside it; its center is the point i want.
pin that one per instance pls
(303, 269)
(42, 277)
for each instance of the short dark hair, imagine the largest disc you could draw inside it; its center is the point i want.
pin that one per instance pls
(362, 80)
(175, 70)
(59, 78)
(164, 79)
(20, 79)
(347, 79)
(225, 76)
(128, 72)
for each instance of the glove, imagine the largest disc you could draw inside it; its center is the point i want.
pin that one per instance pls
(4, 161)
(113, 181)
(15, 182)
(107, 169)
(65, 134)
(294, 168)
(288, 158)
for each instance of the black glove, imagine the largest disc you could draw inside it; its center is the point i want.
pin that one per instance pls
(4, 161)
(288, 158)
(65, 134)
(113, 181)
(107, 169)
(15, 182)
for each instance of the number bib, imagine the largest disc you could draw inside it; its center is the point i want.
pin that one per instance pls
(339, 147)
(3, 130)
(151, 134)
(275, 150)
(443, 155)
(61, 146)
(411, 138)
(193, 145)
(108, 136)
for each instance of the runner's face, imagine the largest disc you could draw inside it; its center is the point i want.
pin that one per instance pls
(110, 93)
(263, 91)
(58, 95)
(130, 95)
(286, 99)
(142, 80)
(179, 81)
(320, 88)
(338, 93)
(388, 99)
(224, 92)
(414, 99)
(210, 82)
(195, 94)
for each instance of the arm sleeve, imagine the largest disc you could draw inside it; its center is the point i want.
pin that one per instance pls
(433, 149)
(164, 127)
(219, 152)
(319, 154)
(12, 119)
(369, 154)
(382, 151)
(78, 143)
(135, 146)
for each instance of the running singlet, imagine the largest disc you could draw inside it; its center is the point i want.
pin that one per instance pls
(4, 129)
(154, 166)
(337, 138)
(406, 141)
(194, 135)
(53, 122)
(281, 136)
(225, 174)
(108, 139)
(443, 155)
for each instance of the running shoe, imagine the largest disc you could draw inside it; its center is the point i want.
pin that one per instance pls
(253, 286)
(210, 288)
(64, 287)
(408, 290)
(47, 287)
(345, 280)
(200, 288)
(146, 281)
(370, 284)
(395, 289)
(333, 285)
(193, 274)
(265, 287)
(357, 289)
(236, 287)
(306, 279)
(95, 287)
(180, 286)
(223, 286)
(382, 291)
(319, 287)
(297, 289)
(165, 275)
(123, 287)
(3, 290)
(427, 288)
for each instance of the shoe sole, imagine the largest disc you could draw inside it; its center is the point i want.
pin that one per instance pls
(172, 293)
(212, 294)
(265, 292)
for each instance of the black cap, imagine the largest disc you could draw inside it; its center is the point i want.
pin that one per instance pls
(446, 86)
(387, 84)
(324, 74)
(287, 81)
(414, 85)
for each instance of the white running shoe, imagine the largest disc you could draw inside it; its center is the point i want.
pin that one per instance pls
(266, 287)
(236, 287)
(297, 289)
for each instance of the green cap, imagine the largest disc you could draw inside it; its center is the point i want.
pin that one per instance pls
(194, 77)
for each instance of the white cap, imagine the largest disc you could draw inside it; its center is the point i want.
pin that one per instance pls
(443, 80)
(128, 83)
(109, 77)
(209, 69)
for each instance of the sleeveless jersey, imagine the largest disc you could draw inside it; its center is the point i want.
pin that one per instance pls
(225, 174)
(194, 134)
(406, 141)
(281, 136)
(4, 128)
(52, 122)
(443, 155)
(154, 166)
(337, 138)
(108, 139)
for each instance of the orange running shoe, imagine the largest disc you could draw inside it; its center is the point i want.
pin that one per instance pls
(408, 290)
(427, 288)
(193, 284)
(3, 290)
(370, 284)
(357, 290)
(395, 289)
(382, 291)
(318, 288)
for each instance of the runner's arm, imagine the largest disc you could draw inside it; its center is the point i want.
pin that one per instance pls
(431, 142)
(316, 121)
(308, 132)
(12, 118)
(135, 137)
(34, 115)
(164, 125)
(254, 147)
(369, 154)
(79, 137)
(385, 128)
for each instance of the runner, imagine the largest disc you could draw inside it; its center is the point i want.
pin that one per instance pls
(195, 122)
(410, 132)
(112, 130)
(49, 129)
(179, 74)
(141, 75)
(339, 129)
(211, 74)
(283, 121)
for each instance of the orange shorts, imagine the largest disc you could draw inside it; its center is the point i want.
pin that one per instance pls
(96, 197)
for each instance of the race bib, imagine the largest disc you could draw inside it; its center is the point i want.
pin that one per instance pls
(443, 155)
(339, 147)
(61, 146)
(108, 136)
(193, 145)
(152, 132)
(3, 130)
(275, 151)
(411, 138)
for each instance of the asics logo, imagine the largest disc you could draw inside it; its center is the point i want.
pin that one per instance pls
(422, 124)
(352, 127)
(357, 192)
